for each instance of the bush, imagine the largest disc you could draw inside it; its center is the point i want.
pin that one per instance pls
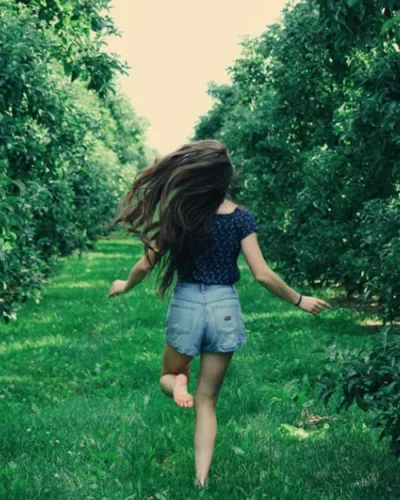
(370, 379)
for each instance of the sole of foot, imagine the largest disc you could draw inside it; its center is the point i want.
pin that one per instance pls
(181, 395)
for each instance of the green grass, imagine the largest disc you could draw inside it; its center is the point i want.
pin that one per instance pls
(82, 415)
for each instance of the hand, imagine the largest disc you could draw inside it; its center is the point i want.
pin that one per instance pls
(313, 305)
(118, 287)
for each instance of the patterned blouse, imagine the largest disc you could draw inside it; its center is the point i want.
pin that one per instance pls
(220, 265)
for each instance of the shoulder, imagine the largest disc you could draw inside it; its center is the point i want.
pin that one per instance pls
(243, 212)
(246, 223)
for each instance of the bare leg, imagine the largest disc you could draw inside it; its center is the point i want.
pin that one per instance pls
(175, 376)
(213, 367)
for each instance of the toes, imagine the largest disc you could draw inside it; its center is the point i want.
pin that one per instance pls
(184, 402)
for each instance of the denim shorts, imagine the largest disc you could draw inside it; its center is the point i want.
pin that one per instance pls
(204, 317)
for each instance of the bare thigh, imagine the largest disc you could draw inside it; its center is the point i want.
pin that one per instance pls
(213, 367)
(174, 363)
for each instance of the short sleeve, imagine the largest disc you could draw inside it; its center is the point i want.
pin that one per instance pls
(246, 224)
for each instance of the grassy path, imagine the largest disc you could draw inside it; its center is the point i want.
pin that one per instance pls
(82, 415)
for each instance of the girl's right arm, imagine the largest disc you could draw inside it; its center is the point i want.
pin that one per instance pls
(270, 280)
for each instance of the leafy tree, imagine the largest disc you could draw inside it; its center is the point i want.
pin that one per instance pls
(70, 142)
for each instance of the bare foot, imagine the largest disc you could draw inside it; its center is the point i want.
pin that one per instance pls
(181, 395)
(200, 483)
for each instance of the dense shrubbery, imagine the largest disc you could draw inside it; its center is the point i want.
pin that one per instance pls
(69, 142)
(370, 379)
(312, 119)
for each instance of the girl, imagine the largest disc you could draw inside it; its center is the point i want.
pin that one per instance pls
(191, 228)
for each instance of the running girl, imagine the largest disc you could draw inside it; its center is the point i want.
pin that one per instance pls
(180, 209)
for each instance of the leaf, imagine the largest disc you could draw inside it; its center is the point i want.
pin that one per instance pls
(293, 431)
(350, 373)
(318, 350)
(35, 408)
(390, 24)
(351, 384)
(327, 395)
(21, 185)
(238, 451)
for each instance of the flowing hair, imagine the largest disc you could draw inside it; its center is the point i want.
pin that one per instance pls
(187, 187)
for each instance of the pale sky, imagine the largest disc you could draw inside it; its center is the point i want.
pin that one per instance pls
(174, 48)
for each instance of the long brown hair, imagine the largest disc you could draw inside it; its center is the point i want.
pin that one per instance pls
(187, 186)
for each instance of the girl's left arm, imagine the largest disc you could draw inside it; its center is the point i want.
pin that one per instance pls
(139, 271)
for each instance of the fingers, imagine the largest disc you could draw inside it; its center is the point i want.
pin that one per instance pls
(113, 290)
(319, 306)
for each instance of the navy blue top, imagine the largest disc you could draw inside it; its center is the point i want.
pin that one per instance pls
(220, 265)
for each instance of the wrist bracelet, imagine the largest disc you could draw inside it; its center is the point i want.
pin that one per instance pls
(299, 300)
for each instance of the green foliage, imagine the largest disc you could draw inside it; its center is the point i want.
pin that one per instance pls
(78, 29)
(371, 379)
(70, 143)
(21, 264)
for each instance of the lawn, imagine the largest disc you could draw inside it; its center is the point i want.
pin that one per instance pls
(82, 415)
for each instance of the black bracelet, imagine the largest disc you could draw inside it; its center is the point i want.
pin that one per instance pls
(299, 300)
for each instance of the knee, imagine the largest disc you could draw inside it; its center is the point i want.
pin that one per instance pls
(205, 401)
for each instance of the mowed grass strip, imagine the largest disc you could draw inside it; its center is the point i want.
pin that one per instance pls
(82, 415)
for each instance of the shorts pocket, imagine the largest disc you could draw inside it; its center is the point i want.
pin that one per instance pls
(180, 319)
(227, 324)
